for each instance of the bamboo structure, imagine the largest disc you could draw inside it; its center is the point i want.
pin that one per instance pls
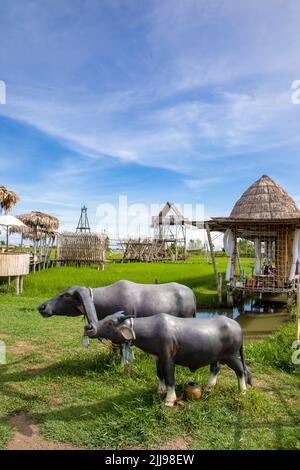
(146, 250)
(170, 232)
(268, 218)
(76, 249)
(41, 228)
(168, 241)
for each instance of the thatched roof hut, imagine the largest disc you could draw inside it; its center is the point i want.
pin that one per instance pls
(268, 218)
(7, 199)
(40, 221)
(265, 199)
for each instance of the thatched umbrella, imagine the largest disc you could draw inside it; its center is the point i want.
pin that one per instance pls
(27, 232)
(40, 222)
(7, 199)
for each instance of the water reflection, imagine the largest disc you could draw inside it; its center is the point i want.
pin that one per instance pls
(257, 318)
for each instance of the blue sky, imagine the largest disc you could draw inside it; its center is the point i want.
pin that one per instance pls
(188, 101)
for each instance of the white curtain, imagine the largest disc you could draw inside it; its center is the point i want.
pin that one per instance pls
(228, 241)
(257, 246)
(295, 254)
(270, 261)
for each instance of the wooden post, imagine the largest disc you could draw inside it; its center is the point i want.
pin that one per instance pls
(239, 259)
(34, 254)
(18, 285)
(220, 288)
(212, 254)
(298, 314)
(21, 284)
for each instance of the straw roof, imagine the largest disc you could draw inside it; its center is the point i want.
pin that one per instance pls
(40, 220)
(265, 199)
(7, 198)
(27, 232)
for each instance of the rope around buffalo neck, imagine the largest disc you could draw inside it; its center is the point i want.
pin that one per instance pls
(131, 327)
(85, 338)
(91, 293)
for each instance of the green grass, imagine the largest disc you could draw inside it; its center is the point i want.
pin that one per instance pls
(82, 397)
(199, 277)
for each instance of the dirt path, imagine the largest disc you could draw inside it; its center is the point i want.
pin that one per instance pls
(26, 436)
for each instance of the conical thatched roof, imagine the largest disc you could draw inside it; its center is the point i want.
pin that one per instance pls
(265, 199)
(39, 220)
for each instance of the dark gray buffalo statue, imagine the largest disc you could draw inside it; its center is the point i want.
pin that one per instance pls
(136, 300)
(190, 342)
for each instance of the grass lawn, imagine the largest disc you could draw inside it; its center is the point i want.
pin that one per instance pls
(199, 277)
(81, 396)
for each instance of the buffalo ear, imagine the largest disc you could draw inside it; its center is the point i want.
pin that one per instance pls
(88, 304)
(126, 332)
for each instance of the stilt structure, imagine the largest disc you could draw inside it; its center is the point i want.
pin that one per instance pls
(169, 238)
(81, 249)
(170, 232)
(41, 228)
(267, 217)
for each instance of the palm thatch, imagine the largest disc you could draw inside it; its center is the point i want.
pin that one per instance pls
(29, 233)
(7, 199)
(40, 221)
(265, 199)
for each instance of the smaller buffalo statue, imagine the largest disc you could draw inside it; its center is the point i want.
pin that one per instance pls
(134, 299)
(190, 342)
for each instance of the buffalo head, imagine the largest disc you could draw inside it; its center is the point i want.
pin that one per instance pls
(116, 328)
(73, 301)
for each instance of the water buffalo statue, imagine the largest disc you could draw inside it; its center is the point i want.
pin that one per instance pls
(134, 299)
(190, 342)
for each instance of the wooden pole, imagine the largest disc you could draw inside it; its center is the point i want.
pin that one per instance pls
(212, 253)
(18, 285)
(239, 259)
(220, 288)
(298, 314)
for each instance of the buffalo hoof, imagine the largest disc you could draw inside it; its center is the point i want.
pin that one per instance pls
(170, 403)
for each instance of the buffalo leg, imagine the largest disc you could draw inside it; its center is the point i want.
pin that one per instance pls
(214, 370)
(235, 364)
(162, 389)
(168, 371)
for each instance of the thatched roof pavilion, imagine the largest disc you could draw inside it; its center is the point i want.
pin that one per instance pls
(40, 221)
(7, 199)
(268, 217)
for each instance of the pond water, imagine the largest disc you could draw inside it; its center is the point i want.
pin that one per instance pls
(258, 319)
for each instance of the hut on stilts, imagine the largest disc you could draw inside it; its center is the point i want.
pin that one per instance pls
(269, 220)
(41, 228)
